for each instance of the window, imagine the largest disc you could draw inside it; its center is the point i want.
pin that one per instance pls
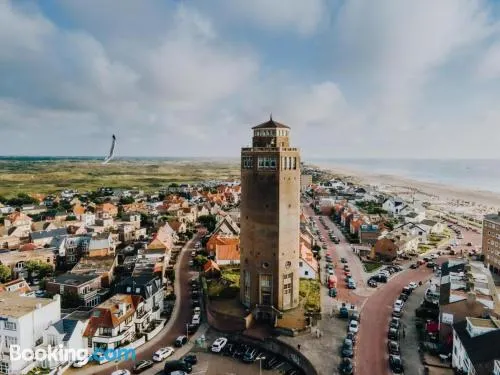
(129, 289)
(106, 331)
(300, 264)
(4, 367)
(10, 326)
(294, 163)
(52, 340)
(246, 290)
(247, 162)
(266, 289)
(306, 273)
(9, 340)
(267, 162)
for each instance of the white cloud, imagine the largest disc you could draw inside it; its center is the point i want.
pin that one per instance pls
(489, 66)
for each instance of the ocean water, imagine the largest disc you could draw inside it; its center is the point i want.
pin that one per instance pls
(477, 174)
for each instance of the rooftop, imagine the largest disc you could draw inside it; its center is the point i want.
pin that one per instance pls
(271, 124)
(484, 323)
(15, 306)
(74, 279)
(493, 217)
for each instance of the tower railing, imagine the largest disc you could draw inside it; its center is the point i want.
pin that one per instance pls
(264, 149)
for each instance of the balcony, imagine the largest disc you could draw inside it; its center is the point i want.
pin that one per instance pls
(118, 338)
(141, 316)
(269, 149)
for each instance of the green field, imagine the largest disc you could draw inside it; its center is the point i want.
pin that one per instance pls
(53, 176)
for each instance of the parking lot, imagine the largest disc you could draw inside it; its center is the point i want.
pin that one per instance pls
(214, 364)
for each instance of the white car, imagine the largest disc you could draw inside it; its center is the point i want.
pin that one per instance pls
(413, 285)
(197, 310)
(163, 353)
(82, 362)
(121, 372)
(353, 326)
(218, 344)
(195, 319)
(398, 304)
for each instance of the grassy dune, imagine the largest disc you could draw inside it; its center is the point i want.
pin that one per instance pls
(52, 176)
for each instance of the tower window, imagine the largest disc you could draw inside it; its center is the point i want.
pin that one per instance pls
(247, 162)
(267, 162)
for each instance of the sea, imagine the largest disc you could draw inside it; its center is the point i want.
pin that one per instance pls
(476, 174)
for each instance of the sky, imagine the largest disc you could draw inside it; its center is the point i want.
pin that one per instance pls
(353, 79)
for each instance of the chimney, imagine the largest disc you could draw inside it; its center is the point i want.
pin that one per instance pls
(471, 298)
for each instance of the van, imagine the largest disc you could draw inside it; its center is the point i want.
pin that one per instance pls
(177, 365)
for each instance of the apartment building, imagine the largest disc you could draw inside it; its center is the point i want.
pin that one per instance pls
(491, 242)
(86, 286)
(23, 321)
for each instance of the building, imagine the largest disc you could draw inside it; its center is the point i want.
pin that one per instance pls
(112, 323)
(225, 249)
(491, 242)
(270, 221)
(306, 181)
(476, 346)
(86, 287)
(23, 321)
(369, 233)
(393, 205)
(308, 265)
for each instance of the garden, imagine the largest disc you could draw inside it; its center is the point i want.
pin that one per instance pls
(227, 286)
(371, 266)
(310, 294)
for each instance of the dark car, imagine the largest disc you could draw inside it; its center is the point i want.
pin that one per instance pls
(407, 290)
(355, 316)
(372, 283)
(343, 260)
(239, 351)
(250, 355)
(393, 334)
(142, 366)
(228, 350)
(394, 323)
(346, 267)
(351, 336)
(403, 297)
(343, 313)
(347, 349)
(332, 292)
(191, 328)
(396, 364)
(414, 266)
(191, 359)
(431, 265)
(393, 347)
(346, 367)
(180, 341)
(171, 366)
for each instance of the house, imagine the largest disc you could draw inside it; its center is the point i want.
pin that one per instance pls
(355, 224)
(414, 217)
(39, 226)
(101, 266)
(177, 226)
(18, 219)
(19, 286)
(308, 265)
(150, 288)
(369, 233)
(106, 208)
(225, 249)
(227, 226)
(10, 238)
(418, 230)
(126, 233)
(211, 269)
(393, 205)
(164, 239)
(112, 323)
(132, 218)
(101, 246)
(23, 322)
(385, 249)
(45, 237)
(78, 211)
(16, 260)
(66, 333)
(436, 227)
(86, 286)
(475, 345)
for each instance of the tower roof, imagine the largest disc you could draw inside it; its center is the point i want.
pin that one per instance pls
(271, 124)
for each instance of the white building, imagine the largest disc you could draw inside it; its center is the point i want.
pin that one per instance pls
(23, 321)
(394, 205)
(475, 345)
(308, 265)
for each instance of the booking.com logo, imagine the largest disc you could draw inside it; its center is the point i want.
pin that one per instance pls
(61, 354)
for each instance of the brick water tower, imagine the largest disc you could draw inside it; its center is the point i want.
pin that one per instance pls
(270, 222)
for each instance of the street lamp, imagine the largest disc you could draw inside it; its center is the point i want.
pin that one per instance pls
(187, 330)
(260, 364)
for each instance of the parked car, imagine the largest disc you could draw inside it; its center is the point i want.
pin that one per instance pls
(250, 355)
(142, 366)
(121, 372)
(395, 323)
(355, 316)
(343, 313)
(372, 283)
(218, 345)
(393, 347)
(397, 313)
(177, 365)
(332, 292)
(403, 297)
(191, 359)
(346, 267)
(354, 326)
(346, 367)
(343, 260)
(351, 336)
(347, 349)
(406, 290)
(82, 362)
(180, 341)
(431, 265)
(398, 304)
(196, 319)
(414, 266)
(396, 364)
(413, 285)
(163, 353)
(351, 284)
(393, 334)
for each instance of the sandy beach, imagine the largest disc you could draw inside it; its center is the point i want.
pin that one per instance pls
(458, 200)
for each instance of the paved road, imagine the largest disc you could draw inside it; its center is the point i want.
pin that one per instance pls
(371, 356)
(175, 327)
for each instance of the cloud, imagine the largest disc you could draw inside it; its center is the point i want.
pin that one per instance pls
(489, 66)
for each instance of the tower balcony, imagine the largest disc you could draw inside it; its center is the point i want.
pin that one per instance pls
(269, 149)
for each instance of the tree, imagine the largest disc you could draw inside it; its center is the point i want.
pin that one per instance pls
(39, 268)
(3, 199)
(21, 199)
(5, 273)
(200, 260)
(127, 200)
(208, 221)
(70, 300)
